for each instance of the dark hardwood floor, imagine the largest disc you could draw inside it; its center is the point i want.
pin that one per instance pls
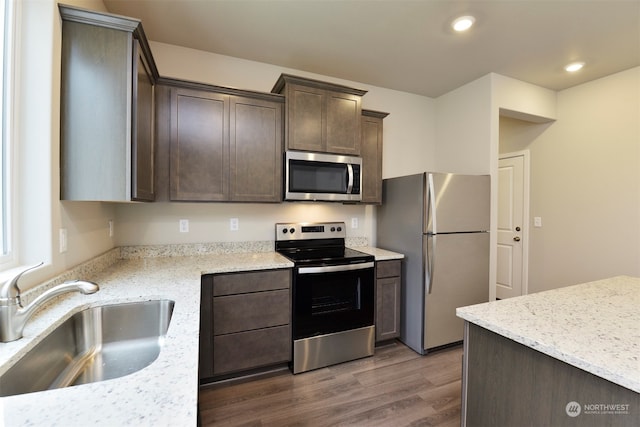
(395, 387)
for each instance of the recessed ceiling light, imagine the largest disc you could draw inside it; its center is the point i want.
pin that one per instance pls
(463, 23)
(574, 66)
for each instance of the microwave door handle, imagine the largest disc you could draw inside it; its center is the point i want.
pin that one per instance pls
(349, 178)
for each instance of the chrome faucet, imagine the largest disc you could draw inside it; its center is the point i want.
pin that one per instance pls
(13, 316)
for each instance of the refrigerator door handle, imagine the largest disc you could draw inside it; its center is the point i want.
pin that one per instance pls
(429, 252)
(431, 209)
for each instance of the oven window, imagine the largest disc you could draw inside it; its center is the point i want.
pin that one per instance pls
(325, 303)
(317, 177)
(334, 299)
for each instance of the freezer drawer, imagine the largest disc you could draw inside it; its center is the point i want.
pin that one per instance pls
(458, 268)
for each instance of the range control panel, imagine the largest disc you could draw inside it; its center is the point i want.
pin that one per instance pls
(309, 230)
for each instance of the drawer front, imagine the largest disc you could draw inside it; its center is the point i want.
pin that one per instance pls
(256, 281)
(237, 313)
(253, 349)
(388, 268)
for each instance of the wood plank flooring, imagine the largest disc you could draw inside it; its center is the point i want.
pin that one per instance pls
(395, 387)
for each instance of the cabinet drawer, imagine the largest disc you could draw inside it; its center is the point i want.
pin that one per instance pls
(252, 349)
(388, 268)
(237, 313)
(239, 283)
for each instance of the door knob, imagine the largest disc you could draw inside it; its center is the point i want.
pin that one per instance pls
(517, 239)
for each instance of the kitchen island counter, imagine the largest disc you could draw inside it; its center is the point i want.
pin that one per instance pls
(163, 393)
(586, 335)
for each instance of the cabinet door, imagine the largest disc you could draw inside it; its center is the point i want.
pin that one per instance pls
(387, 308)
(305, 118)
(95, 116)
(142, 138)
(371, 150)
(255, 145)
(199, 152)
(343, 113)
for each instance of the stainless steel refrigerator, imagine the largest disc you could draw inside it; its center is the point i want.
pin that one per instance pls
(440, 223)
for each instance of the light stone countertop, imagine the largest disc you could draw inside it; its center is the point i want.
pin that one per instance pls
(593, 326)
(164, 393)
(380, 254)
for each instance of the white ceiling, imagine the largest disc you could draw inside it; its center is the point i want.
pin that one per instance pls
(406, 45)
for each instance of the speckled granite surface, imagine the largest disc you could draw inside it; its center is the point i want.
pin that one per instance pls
(380, 254)
(195, 249)
(164, 393)
(594, 326)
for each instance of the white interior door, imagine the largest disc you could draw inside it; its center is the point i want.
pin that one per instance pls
(511, 259)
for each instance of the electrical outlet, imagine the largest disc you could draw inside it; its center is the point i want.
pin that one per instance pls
(234, 224)
(184, 225)
(63, 240)
(354, 222)
(537, 221)
(110, 228)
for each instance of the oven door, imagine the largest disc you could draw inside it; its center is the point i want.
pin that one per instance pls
(334, 298)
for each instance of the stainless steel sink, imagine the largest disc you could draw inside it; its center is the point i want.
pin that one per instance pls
(95, 344)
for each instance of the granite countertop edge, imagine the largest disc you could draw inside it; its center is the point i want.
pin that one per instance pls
(592, 326)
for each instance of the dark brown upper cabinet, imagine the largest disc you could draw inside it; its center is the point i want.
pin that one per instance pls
(371, 151)
(107, 100)
(223, 144)
(319, 116)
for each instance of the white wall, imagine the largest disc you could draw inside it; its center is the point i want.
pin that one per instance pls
(409, 134)
(463, 128)
(585, 183)
(467, 132)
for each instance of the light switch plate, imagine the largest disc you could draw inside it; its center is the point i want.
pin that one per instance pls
(537, 221)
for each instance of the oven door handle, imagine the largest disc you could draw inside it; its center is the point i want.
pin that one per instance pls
(335, 268)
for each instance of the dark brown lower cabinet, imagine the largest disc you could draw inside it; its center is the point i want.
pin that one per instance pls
(505, 383)
(244, 322)
(388, 284)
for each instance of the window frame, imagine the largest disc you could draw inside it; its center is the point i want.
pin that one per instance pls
(8, 102)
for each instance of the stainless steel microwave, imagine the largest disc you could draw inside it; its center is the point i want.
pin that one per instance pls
(319, 176)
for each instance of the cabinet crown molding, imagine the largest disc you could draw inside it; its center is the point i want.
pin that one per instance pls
(186, 84)
(288, 78)
(116, 22)
(373, 113)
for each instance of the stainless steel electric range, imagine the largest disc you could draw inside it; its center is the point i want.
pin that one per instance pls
(333, 295)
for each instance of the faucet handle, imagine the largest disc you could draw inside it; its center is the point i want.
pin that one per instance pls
(10, 289)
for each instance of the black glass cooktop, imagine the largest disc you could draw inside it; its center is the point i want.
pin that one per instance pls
(326, 255)
(317, 244)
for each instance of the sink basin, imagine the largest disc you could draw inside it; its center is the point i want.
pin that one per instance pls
(96, 344)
